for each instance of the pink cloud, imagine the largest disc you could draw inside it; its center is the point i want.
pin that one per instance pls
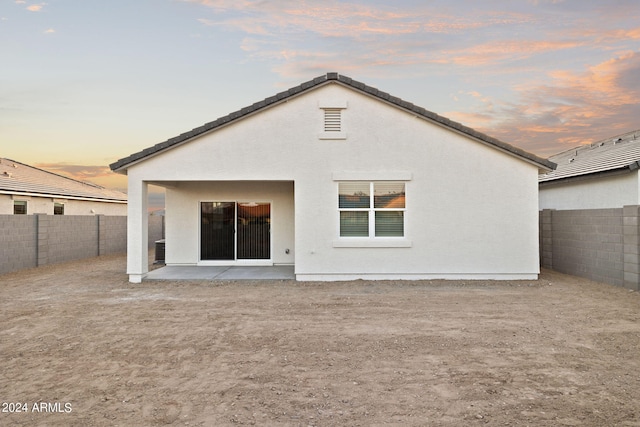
(571, 109)
(79, 172)
(565, 106)
(338, 19)
(503, 50)
(100, 175)
(36, 7)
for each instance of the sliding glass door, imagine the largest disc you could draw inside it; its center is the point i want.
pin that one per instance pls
(217, 230)
(254, 228)
(230, 231)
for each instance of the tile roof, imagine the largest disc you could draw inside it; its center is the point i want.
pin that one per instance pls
(19, 178)
(122, 164)
(612, 154)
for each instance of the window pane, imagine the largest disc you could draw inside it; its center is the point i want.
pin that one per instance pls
(58, 209)
(354, 224)
(19, 208)
(353, 195)
(389, 195)
(389, 224)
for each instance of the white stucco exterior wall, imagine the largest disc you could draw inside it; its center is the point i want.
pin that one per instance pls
(592, 193)
(471, 210)
(71, 207)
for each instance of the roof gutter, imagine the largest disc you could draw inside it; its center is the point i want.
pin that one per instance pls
(611, 172)
(60, 196)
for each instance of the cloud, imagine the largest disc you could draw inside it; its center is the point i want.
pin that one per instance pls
(531, 55)
(36, 7)
(79, 172)
(504, 50)
(49, 31)
(537, 2)
(573, 108)
(300, 37)
(99, 175)
(332, 18)
(369, 34)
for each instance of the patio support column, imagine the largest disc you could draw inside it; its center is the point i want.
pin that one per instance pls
(137, 231)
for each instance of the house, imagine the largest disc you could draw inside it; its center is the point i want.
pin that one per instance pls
(344, 181)
(594, 176)
(26, 190)
(589, 211)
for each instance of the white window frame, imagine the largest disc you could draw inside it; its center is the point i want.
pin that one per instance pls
(372, 240)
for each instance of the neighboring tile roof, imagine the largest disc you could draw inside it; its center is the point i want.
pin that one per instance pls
(18, 178)
(318, 81)
(611, 154)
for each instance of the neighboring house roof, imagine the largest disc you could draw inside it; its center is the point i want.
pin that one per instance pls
(617, 154)
(122, 164)
(21, 179)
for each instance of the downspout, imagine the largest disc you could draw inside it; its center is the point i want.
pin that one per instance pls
(634, 166)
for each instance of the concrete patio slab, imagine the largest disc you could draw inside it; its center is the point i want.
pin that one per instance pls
(173, 272)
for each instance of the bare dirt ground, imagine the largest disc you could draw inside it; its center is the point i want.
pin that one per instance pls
(80, 346)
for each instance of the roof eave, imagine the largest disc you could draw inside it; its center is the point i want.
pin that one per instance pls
(591, 175)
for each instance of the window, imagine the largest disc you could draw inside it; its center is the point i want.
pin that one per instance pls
(58, 209)
(371, 209)
(19, 207)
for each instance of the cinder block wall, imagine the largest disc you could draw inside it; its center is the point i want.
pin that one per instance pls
(599, 244)
(18, 242)
(28, 241)
(70, 238)
(113, 234)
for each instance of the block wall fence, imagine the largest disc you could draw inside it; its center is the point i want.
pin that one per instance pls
(598, 244)
(28, 241)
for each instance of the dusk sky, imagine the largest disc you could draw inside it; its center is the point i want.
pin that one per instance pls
(84, 83)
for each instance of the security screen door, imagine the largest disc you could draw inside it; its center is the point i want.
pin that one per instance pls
(231, 230)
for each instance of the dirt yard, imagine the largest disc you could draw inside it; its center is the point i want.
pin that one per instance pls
(80, 346)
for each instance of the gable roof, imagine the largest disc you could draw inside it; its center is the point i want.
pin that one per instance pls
(122, 164)
(21, 179)
(617, 154)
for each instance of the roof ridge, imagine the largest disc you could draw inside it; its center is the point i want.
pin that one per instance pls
(316, 82)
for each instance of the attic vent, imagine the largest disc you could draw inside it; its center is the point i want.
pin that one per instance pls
(332, 119)
(333, 126)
